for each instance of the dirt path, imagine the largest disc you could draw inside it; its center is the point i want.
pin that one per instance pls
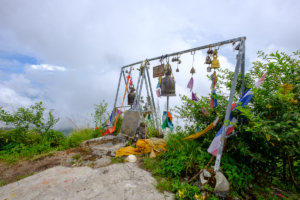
(116, 182)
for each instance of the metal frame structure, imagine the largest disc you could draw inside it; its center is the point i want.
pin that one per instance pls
(240, 66)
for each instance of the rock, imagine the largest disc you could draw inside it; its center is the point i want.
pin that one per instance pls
(69, 160)
(114, 182)
(106, 145)
(222, 185)
(140, 133)
(104, 161)
(202, 180)
(168, 195)
(206, 173)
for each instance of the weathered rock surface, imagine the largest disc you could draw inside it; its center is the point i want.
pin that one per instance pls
(106, 145)
(114, 182)
(222, 185)
(104, 161)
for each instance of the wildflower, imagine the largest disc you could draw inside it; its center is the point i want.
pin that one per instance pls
(199, 197)
(273, 144)
(269, 106)
(6, 140)
(181, 195)
(268, 137)
(278, 139)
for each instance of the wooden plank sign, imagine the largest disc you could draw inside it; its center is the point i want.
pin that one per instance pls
(158, 71)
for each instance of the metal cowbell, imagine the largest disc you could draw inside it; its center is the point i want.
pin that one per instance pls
(208, 69)
(177, 70)
(207, 60)
(215, 62)
(193, 71)
(131, 96)
(168, 84)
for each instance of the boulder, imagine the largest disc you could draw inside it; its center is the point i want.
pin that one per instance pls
(106, 145)
(222, 186)
(102, 162)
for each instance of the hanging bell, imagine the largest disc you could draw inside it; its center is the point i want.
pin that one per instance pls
(237, 47)
(193, 71)
(126, 71)
(131, 96)
(207, 60)
(215, 63)
(177, 70)
(209, 69)
(168, 84)
(179, 61)
(210, 51)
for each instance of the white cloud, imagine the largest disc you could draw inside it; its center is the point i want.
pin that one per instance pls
(48, 67)
(93, 39)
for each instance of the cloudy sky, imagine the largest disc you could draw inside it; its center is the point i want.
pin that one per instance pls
(68, 54)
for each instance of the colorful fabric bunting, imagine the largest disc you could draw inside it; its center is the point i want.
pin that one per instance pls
(158, 92)
(191, 84)
(213, 99)
(167, 119)
(194, 97)
(244, 100)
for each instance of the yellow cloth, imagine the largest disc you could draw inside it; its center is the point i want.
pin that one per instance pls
(144, 146)
(199, 134)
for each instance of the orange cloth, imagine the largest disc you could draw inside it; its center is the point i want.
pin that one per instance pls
(144, 146)
(170, 116)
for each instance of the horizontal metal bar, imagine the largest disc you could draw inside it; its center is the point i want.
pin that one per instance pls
(122, 106)
(189, 50)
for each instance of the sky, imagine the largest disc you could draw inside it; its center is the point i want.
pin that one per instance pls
(68, 54)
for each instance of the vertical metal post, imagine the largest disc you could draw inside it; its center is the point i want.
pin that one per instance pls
(117, 93)
(243, 71)
(136, 93)
(140, 92)
(228, 110)
(156, 119)
(167, 103)
(151, 105)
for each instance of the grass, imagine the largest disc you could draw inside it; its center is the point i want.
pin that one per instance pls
(76, 157)
(2, 183)
(25, 176)
(118, 160)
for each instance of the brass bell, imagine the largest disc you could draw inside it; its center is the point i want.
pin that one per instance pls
(215, 62)
(168, 84)
(208, 69)
(179, 61)
(193, 71)
(131, 96)
(207, 60)
(126, 71)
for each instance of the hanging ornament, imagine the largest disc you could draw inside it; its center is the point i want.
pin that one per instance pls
(193, 71)
(178, 62)
(126, 71)
(215, 63)
(207, 60)
(210, 51)
(208, 69)
(191, 84)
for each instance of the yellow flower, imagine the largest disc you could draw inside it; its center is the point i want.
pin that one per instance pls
(199, 197)
(6, 140)
(181, 195)
(268, 137)
(269, 106)
(278, 139)
(273, 144)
